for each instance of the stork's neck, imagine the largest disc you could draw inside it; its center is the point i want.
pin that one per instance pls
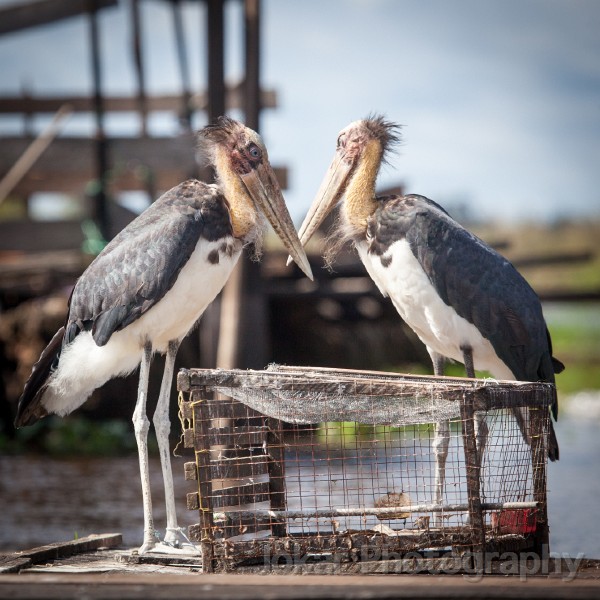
(360, 202)
(244, 218)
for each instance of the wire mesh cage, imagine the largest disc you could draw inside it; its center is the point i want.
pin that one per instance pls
(298, 463)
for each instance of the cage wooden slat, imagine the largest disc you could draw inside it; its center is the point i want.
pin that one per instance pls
(472, 466)
(249, 435)
(190, 471)
(276, 469)
(237, 495)
(200, 418)
(239, 467)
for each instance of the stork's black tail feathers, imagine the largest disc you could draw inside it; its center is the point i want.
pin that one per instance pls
(553, 452)
(30, 408)
(557, 365)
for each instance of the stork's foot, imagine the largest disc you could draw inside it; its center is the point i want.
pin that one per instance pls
(186, 549)
(175, 542)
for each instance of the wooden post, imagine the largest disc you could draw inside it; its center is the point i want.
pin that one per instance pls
(209, 325)
(216, 60)
(186, 94)
(276, 468)
(205, 491)
(100, 195)
(537, 416)
(252, 80)
(467, 415)
(139, 65)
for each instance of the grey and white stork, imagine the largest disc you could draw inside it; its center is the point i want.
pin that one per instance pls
(148, 288)
(463, 300)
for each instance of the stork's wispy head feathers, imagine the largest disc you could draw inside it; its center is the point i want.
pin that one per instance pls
(378, 128)
(361, 148)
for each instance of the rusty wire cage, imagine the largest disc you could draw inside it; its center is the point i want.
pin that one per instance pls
(300, 465)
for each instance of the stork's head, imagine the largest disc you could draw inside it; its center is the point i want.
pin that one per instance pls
(248, 182)
(361, 148)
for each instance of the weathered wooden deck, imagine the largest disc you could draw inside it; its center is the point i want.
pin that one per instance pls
(98, 567)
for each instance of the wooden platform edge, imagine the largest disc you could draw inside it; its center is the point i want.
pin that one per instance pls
(21, 559)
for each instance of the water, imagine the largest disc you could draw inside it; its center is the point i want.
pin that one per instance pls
(45, 500)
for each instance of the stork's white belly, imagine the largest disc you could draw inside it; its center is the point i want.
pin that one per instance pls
(84, 366)
(196, 287)
(438, 325)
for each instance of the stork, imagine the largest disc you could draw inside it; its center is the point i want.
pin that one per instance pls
(148, 288)
(463, 300)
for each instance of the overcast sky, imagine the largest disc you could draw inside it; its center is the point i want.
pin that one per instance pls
(500, 100)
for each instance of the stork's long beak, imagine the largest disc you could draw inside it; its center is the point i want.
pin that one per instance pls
(330, 191)
(264, 189)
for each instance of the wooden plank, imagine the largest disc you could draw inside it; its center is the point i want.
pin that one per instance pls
(10, 564)
(239, 467)
(159, 103)
(238, 437)
(473, 469)
(239, 495)
(205, 506)
(329, 381)
(31, 236)
(348, 545)
(53, 236)
(230, 586)
(193, 501)
(276, 468)
(188, 438)
(225, 408)
(190, 470)
(538, 425)
(40, 12)
(187, 413)
(65, 549)
(68, 165)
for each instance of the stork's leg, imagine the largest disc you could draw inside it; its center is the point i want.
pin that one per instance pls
(481, 428)
(141, 425)
(162, 425)
(441, 442)
(467, 353)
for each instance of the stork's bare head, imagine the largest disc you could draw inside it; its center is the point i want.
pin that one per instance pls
(242, 163)
(363, 144)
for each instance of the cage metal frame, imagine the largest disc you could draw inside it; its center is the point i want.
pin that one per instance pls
(210, 428)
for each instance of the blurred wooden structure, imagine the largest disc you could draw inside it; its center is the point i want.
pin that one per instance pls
(97, 168)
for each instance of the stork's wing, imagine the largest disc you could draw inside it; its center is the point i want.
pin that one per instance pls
(482, 286)
(142, 263)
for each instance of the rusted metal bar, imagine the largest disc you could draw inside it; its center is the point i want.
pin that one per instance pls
(378, 512)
